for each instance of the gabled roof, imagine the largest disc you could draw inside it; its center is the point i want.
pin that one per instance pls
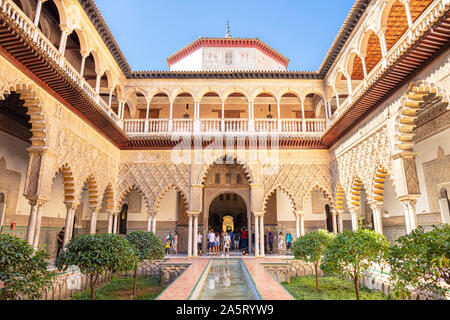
(228, 42)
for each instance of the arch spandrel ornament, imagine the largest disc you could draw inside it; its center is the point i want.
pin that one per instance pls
(297, 179)
(153, 179)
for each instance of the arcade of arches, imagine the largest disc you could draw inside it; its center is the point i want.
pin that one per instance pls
(386, 162)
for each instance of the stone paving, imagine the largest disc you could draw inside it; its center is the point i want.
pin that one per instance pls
(267, 286)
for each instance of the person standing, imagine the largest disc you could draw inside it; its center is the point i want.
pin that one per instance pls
(280, 243)
(217, 244)
(244, 237)
(167, 246)
(211, 240)
(199, 243)
(288, 242)
(60, 241)
(237, 239)
(231, 234)
(271, 238)
(175, 242)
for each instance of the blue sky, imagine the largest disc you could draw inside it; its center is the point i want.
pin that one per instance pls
(149, 31)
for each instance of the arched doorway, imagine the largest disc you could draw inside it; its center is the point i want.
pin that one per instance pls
(226, 180)
(123, 219)
(228, 205)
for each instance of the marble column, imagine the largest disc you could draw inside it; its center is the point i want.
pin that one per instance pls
(261, 226)
(377, 222)
(69, 218)
(37, 229)
(149, 223)
(297, 224)
(190, 236)
(334, 216)
(355, 222)
(256, 236)
(38, 12)
(32, 221)
(154, 224)
(115, 219)
(194, 236)
(110, 222)
(409, 208)
(93, 223)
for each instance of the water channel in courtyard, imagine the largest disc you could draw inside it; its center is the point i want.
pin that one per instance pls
(225, 279)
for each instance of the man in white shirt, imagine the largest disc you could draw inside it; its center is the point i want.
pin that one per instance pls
(211, 239)
(199, 243)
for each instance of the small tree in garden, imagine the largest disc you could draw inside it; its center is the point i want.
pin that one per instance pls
(421, 261)
(23, 271)
(96, 254)
(148, 247)
(352, 253)
(310, 248)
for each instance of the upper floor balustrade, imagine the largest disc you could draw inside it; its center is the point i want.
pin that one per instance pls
(294, 128)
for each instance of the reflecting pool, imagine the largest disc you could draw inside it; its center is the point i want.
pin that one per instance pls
(227, 280)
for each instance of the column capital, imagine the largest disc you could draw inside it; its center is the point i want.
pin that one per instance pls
(193, 213)
(37, 201)
(65, 29)
(71, 204)
(409, 199)
(375, 205)
(258, 214)
(299, 213)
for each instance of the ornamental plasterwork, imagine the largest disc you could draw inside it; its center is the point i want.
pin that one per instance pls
(153, 180)
(362, 161)
(84, 160)
(298, 180)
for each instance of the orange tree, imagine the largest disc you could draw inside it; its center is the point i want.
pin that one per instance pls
(147, 246)
(96, 254)
(352, 253)
(23, 271)
(421, 261)
(310, 248)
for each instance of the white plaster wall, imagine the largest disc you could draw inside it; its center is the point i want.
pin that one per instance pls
(56, 208)
(16, 156)
(168, 207)
(192, 62)
(213, 59)
(285, 208)
(428, 151)
(391, 204)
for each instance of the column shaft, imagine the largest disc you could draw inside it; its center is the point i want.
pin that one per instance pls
(37, 230)
(261, 225)
(32, 222)
(67, 226)
(256, 236)
(190, 237)
(110, 223)
(195, 236)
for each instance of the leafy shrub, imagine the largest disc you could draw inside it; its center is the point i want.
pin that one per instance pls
(23, 271)
(421, 260)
